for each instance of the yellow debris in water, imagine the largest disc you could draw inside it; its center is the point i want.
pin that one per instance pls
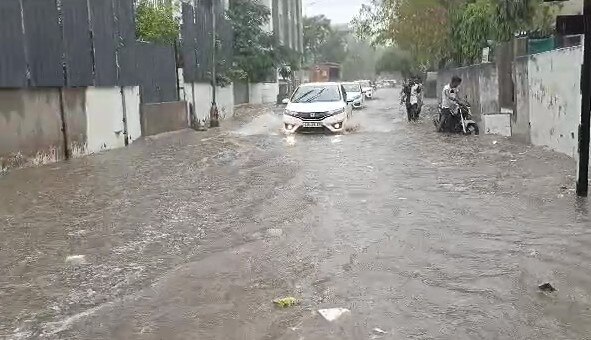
(286, 302)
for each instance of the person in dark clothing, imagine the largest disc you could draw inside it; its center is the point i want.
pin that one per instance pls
(406, 97)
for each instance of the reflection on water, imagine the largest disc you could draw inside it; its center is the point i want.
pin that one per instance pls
(582, 208)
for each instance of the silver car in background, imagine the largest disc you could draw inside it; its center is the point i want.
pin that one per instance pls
(367, 88)
(354, 94)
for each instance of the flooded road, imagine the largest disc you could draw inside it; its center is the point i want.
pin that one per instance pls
(192, 235)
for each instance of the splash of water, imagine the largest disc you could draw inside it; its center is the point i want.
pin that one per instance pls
(265, 124)
(290, 140)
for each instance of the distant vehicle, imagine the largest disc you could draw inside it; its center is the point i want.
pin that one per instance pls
(387, 83)
(317, 107)
(355, 94)
(367, 88)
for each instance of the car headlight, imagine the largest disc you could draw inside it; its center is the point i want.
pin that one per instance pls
(336, 112)
(290, 113)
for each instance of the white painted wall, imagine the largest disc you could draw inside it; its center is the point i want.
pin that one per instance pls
(255, 93)
(270, 93)
(132, 107)
(555, 99)
(497, 124)
(263, 93)
(225, 99)
(104, 118)
(203, 99)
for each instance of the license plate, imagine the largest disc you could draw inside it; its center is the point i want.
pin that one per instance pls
(311, 125)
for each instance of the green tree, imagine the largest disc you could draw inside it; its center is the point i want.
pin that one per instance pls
(255, 58)
(418, 29)
(438, 30)
(360, 60)
(373, 21)
(473, 26)
(515, 15)
(322, 42)
(317, 31)
(334, 50)
(418, 26)
(393, 60)
(157, 23)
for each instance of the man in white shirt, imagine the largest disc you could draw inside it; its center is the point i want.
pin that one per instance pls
(449, 103)
(414, 94)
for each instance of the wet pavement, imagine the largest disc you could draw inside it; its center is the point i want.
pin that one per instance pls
(191, 235)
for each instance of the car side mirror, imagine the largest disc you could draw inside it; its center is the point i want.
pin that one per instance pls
(285, 101)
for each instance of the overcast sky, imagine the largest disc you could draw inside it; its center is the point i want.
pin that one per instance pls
(339, 11)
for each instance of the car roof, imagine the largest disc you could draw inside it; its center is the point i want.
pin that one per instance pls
(350, 83)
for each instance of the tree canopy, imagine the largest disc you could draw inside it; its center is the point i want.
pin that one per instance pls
(393, 60)
(418, 29)
(157, 23)
(439, 31)
(360, 61)
(254, 55)
(474, 26)
(322, 42)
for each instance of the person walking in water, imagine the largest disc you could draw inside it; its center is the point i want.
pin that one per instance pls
(416, 100)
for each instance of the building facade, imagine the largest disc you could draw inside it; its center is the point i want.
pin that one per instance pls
(286, 19)
(286, 22)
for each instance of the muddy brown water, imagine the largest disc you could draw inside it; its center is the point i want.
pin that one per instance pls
(192, 235)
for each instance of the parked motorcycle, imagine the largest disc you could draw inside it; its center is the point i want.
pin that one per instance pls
(461, 120)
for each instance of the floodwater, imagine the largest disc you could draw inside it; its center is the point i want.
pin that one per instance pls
(191, 235)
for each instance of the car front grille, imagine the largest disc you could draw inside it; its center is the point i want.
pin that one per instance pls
(312, 116)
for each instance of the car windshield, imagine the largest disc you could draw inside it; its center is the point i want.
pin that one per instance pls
(352, 87)
(365, 84)
(312, 94)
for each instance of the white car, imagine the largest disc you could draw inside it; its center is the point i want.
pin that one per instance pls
(355, 94)
(366, 88)
(317, 107)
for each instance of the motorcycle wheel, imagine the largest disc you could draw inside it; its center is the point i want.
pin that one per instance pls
(472, 129)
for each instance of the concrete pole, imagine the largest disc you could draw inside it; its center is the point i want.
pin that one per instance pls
(584, 128)
(214, 117)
